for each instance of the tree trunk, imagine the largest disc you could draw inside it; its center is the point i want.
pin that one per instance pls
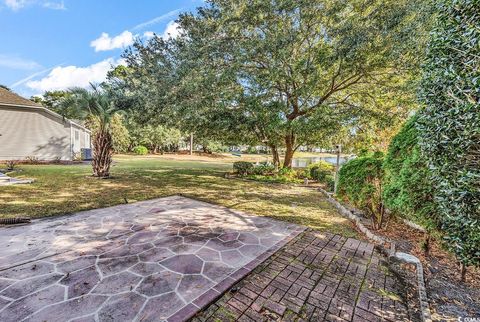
(102, 154)
(276, 156)
(289, 151)
(426, 245)
(463, 272)
(191, 143)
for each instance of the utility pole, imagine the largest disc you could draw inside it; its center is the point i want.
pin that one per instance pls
(337, 167)
(191, 143)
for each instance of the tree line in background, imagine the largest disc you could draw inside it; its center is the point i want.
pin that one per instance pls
(126, 133)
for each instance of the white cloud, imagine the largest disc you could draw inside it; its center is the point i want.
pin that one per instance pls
(29, 77)
(172, 30)
(148, 34)
(16, 4)
(72, 76)
(54, 5)
(20, 4)
(157, 19)
(105, 42)
(14, 62)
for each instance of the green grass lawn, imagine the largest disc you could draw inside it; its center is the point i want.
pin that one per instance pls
(64, 189)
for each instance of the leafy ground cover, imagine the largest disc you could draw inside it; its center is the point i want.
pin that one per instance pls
(64, 189)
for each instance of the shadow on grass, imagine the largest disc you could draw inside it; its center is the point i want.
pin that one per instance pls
(65, 189)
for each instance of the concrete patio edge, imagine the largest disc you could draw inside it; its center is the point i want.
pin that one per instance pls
(220, 288)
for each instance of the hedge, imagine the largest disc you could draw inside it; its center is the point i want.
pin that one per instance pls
(243, 168)
(407, 182)
(320, 170)
(360, 183)
(449, 125)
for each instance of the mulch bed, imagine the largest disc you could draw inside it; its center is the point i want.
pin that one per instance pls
(449, 297)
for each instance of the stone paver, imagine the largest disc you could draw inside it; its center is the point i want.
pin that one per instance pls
(162, 259)
(316, 277)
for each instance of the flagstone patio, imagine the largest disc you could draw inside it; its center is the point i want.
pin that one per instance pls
(157, 260)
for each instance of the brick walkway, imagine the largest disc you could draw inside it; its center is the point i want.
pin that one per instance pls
(316, 277)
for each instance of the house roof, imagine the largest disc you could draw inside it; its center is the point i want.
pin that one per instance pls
(13, 100)
(10, 98)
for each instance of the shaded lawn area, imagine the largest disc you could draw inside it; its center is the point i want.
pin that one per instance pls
(64, 189)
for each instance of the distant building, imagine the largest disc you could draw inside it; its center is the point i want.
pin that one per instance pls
(27, 129)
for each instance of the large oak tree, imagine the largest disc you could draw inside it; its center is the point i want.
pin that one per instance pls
(281, 72)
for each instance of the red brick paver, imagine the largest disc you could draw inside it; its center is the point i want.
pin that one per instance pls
(316, 277)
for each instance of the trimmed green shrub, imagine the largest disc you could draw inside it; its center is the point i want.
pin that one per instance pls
(267, 173)
(263, 169)
(407, 186)
(287, 173)
(360, 183)
(329, 182)
(140, 150)
(320, 170)
(251, 150)
(243, 168)
(449, 125)
(275, 179)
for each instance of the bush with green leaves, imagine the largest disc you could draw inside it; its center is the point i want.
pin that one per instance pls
(140, 150)
(320, 170)
(288, 173)
(407, 186)
(251, 150)
(329, 182)
(449, 124)
(284, 175)
(243, 168)
(263, 169)
(212, 146)
(360, 183)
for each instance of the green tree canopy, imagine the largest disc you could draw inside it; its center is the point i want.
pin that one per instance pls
(285, 72)
(53, 101)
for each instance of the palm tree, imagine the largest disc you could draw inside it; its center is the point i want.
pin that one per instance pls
(95, 104)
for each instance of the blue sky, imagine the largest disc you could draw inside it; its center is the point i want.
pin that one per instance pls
(55, 44)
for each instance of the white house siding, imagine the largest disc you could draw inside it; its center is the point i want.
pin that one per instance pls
(82, 141)
(26, 132)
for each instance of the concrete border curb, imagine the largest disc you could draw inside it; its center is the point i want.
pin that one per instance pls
(402, 257)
